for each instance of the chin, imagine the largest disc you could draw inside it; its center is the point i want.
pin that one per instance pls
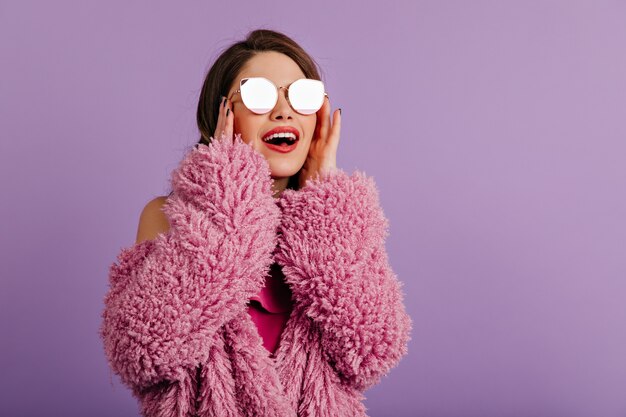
(283, 172)
(282, 168)
(282, 165)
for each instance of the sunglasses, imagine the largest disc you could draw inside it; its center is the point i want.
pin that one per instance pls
(260, 95)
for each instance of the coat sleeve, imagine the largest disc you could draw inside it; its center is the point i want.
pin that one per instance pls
(169, 296)
(332, 248)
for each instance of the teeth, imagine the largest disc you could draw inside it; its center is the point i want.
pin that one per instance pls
(289, 135)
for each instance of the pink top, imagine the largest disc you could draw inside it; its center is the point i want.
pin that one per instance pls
(270, 309)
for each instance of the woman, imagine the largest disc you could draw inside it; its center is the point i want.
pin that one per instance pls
(261, 285)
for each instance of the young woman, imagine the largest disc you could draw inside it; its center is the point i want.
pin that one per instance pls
(260, 286)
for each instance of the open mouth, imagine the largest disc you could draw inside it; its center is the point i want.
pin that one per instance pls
(283, 139)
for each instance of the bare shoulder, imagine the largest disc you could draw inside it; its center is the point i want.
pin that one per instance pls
(152, 220)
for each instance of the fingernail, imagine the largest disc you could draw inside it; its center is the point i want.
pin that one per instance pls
(227, 111)
(340, 110)
(224, 102)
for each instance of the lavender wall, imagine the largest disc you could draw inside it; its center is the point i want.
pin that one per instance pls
(495, 131)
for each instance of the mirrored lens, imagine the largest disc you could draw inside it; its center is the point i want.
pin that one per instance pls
(306, 96)
(258, 94)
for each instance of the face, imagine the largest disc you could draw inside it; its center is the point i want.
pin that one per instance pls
(282, 71)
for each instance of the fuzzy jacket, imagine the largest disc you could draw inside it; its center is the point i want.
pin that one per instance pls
(175, 324)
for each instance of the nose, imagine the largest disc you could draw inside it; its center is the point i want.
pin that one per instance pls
(282, 109)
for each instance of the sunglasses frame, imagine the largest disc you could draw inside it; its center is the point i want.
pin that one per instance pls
(278, 89)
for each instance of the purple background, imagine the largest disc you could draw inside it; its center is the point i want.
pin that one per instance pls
(495, 131)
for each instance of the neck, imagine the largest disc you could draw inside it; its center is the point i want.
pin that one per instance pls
(279, 185)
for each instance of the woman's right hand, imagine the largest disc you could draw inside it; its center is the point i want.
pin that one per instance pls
(213, 177)
(225, 120)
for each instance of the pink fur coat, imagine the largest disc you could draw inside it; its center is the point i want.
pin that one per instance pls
(175, 324)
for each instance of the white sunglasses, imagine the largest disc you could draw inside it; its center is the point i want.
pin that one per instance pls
(260, 95)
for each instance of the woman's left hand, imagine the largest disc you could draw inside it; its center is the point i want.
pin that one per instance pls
(322, 155)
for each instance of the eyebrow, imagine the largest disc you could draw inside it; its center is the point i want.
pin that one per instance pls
(277, 84)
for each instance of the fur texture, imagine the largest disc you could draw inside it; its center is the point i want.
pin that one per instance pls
(175, 324)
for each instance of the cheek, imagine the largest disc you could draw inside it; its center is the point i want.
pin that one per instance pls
(238, 119)
(240, 125)
(310, 125)
(246, 125)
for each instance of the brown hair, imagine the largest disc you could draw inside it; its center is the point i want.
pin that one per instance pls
(230, 62)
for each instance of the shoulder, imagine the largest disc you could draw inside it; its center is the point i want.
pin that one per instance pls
(152, 220)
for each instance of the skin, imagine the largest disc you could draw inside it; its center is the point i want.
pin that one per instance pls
(316, 151)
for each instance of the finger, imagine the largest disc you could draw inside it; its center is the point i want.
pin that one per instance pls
(218, 123)
(336, 128)
(229, 119)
